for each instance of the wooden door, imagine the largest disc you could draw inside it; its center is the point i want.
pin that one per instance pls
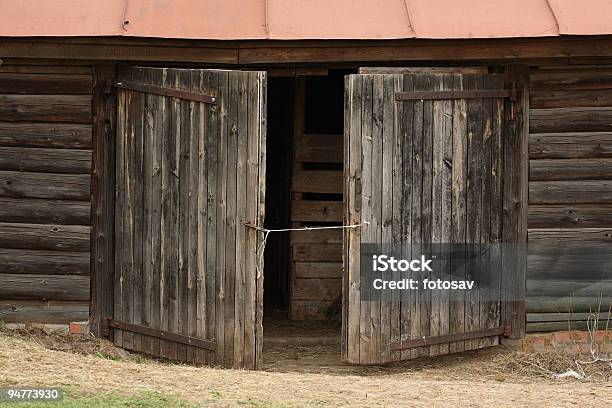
(433, 159)
(190, 178)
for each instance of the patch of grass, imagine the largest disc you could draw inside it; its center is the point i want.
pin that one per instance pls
(2, 324)
(138, 359)
(108, 399)
(258, 404)
(106, 356)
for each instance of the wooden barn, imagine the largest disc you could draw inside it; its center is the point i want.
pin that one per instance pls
(146, 148)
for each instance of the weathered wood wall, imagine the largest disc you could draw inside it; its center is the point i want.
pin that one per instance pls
(45, 177)
(189, 176)
(570, 189)
(432, 171)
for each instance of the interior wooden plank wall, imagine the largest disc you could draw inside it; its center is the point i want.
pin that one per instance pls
(570, 191)
(316, 267)
(45, 177)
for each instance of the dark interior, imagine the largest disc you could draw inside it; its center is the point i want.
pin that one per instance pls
(324, 113)
(278, 192)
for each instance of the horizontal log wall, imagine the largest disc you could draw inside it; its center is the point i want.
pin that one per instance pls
(45, 179)
(570, 194)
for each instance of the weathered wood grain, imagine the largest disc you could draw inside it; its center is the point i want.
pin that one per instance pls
(42, 211)
(570, 79)
(459, 207)
(45, 236)
(43, 262)
(517, 122)
(318, 270)
(317, 252)
(43, 84)
(46, 108)
(187, 177)
(570, 169)
(353, 201)
(564, 326)
(570, 145)
(44, 287)
(316, 211)
(570, 192)
(45, 160)
(47, 135)
(571, 236)
(45, 185)
(317, 237)
(448, 166)
(316, 289)
(317, 181)
(570, 216)
(568, 304)
(48, 312)
(597, 119)
(571, 98)
(319, 148)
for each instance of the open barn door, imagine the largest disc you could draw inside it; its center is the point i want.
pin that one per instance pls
(189, 178)
(435, 164)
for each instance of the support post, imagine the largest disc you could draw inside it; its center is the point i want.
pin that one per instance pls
(102, 199)
(516, 179)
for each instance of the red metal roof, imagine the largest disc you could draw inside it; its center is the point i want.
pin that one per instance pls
(305, 19)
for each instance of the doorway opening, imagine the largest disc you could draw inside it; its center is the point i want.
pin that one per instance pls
(303, 269)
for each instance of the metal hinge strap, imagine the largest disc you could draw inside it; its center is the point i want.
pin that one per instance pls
(166, 91)
(448, 338)
(160, 334)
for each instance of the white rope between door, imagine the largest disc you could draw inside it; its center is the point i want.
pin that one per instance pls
(266, 231)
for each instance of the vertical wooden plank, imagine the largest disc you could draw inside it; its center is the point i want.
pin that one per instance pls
(496, 205)
(221, 194)
(128, 223)
(137, 208)
(261, 165)
(148, 143)
(406, 123)
(344, 340)
(425, 305)
(354, 203)
(366, 352)
(120, 188)
(446, 214)
(417, 211)
(208, 231)
(230, 241)
(474, 199)
(397, 205)
(169, 234)
(250, 235)
(376, 223)
(516, 133)
(241, 153)
(459, 206)
(487, 191)
(103, 198)
(386, 183)
(156, 129)
(437, 164)
(183, 159)
(195, 214)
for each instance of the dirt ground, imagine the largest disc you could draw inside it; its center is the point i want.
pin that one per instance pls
(299, 376)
